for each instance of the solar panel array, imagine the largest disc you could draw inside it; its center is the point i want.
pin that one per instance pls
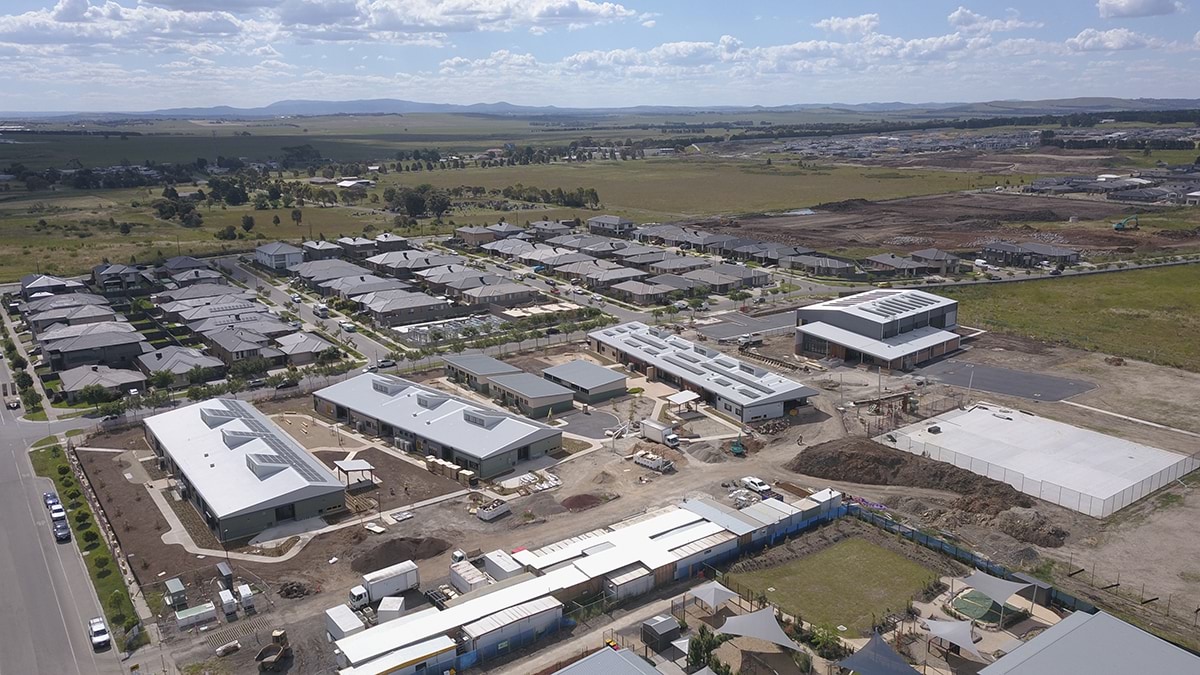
(885, 303)
(285, 452)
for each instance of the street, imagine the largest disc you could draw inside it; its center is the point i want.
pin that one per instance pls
(47, 593)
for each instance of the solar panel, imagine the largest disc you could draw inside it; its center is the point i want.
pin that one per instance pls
(285, 453)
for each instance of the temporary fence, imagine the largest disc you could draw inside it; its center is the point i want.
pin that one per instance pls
(1090, 505)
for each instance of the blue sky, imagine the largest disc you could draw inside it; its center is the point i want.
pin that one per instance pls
(147, 54)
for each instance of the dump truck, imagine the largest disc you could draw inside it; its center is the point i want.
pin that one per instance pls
(660, 433)
(382, 583)
(750, 340)
(273, 656)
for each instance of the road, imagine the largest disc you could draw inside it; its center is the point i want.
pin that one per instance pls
(47, 593)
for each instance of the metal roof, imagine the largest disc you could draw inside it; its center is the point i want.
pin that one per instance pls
(883, 305)
(78, 378)
(511, 615)
(895, 347)
(610, 662)
(530, 386)
(237, 459)
(480, 364)
(278, 248)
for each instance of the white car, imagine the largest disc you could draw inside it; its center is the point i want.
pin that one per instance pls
(581, 291)
(757, 484)
(98, 632)
(57, 512)
(348, 327)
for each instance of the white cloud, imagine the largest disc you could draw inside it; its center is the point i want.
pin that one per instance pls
(1196, 39)
(649, 23)
(966, 20)
(849, 25)
(1131, 9)
(1116, 39)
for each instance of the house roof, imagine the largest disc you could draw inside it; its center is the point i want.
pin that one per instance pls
(182, 262)
(302, 343)
(317, 271)
(895, 347)
(584, 374)
(497, 290)
(322, 246)
(363, 283)
(70, 313)
(33, 282)
(894, 261)
(355, 241)
(933, 254)
(468, 427)
(198, 291)
(504, 228)
(710, 276)
(109, 378)
(472, 229)
(96, 341)
(480, 364)
(682, 262)
(278, 248)
(609, 220)
(614, 273)
(390, 301)
(237, 459)
(642, 288)
(59, 332)
(233, 339)
(530, 385)
(189, 274)
(386, 237)
(177, 360)
(676, 282)
(66, 300)
(818, 261)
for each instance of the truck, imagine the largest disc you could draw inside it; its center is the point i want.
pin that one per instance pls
(750, 340)
(321, 310)
(660, 433)
(380, 584)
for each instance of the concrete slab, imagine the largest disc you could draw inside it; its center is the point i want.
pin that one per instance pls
(734, 324)
(978, 377)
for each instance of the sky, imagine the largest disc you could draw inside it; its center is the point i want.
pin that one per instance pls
(125, 55)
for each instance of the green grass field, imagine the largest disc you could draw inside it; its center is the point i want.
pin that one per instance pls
(1144, 314)
(851, 583)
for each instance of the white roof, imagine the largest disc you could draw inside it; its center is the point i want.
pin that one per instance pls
(237, 459)
(468, 427)
(883, 305)
(895, 347)
(681, 397)
(343, 617)
(505, 617)
(705, 367)
(398, 659)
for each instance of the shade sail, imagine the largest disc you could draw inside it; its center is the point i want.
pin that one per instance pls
(712, 594)
(954, 632)
(679, 398)
(761, 625)
(995, 588)
(877, 658)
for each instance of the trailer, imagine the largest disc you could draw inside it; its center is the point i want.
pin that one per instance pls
(660, 433)
(379, 584)
(493, 510)
(654, 462)
(341, 621)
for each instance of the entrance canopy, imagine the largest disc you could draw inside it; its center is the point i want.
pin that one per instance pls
(954, 632)
(761, 625)
(712, 594)
(995, 588)
(682, 397)
(877, 658)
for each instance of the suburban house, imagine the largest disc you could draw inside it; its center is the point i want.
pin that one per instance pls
(819, 266)
(179, 361)
(37, 284)
(474, 236)
(890, 263)
(116, 349)
(404, 264)
(641, 292)
(610, 226)
(399, 307)
(678, 265)
(1027, 254)
(317, 272)
(749, 277)
(386, 241)
(353, 286)
(716, 282)
(197, 276)
(548, 229)
(321, 250)
(116, 279)
(358, 248)
(937, 260)
(504, 295)
(504, 230)
(232, 344)
(59, 301)
(303, 348)
(181, 263)
(690, 286)
(115, 382)
(278, 256)
(603, 278)
(70, 316)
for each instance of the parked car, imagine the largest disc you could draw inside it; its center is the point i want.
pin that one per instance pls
(756, 484)
(596, 297)
(581, 291)
(387, 363)
(13, 404)
(256, 383)
(57, 512)
(49, 499)
(551, 283)
(296, 297)
(371, 368)
(1055, 273)
(62, 532)
(348, 327)
(98, 632)
(287, 384)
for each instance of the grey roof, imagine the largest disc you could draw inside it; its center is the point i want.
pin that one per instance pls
(201, 291)
(739, 271)
(388, 237)
(710, 276)
(643, 288)
(186, 275)
(480, 364)
(363, 283)
(68, 313)
(34, 282)
(394, 300)
(177, 360)
(263, 323)
(530, 385)
(303, 343)
(818, 261)
(109, 378)
(355, 241)
(237, 459)
(894, 261)
(615, 274)
(324, 270)
(278, 248)
(470, 428)
(1096, 644)
(233, 339)
(66, 300)
(636, 249)
(610, 662)
(584, 374)
(96, 341)
(504, 228)
(497, 290)
(680, 262)
(609, 220)
(1047, 249)
(934, 254)
(676, 281)
(202, 312)
(182, 262)
(322, 245)
(473, 229)
(54, 334)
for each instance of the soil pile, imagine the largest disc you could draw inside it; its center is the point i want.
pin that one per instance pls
(398, 550)
(859, 460)
(293, 589)
(705, 452)
(1030, 526)
(582, 502)
(603, 478)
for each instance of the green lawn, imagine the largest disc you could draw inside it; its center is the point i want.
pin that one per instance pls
(1144, 314)
(852, 583)
(110, 587)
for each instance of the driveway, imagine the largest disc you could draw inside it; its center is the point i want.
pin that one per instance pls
(1034, 386)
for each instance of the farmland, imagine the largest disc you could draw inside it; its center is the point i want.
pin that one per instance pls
(1151, 315)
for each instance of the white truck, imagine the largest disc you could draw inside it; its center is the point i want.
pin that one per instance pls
(382, 583)
(750, 340)
(660, 432)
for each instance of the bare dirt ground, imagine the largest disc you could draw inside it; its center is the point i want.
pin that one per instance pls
(949, 221)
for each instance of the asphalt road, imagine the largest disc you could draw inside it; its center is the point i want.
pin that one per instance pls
(1028, 385)
(47, 595)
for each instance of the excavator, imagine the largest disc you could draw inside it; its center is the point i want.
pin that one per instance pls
(1130, 223)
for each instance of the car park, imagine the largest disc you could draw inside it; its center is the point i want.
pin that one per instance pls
(98, 632)
(57, 512)
(62, 532)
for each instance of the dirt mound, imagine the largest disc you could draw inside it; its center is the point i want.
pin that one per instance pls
(293, 589)
(859, 460)
(603, 478)
(582, 502)
(705, 452)
(398, 550)
(1030, 526)
(844, 205)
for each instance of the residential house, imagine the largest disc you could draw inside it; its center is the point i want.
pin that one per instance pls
(890, 263)
(115, 349)
(313, 274)
(181, 263)
(819, 266)
(261, 323)
(504, 230)
(689, 286)
(1027, 254)
(44, 284)
(474, 236)
(197, 276)
(358, 248)
(678, 265)
(717, 282)
(641, 292)
(603, 278)
(548, 229)
(303, 348)
(60, 301)
(750, 277)
(403, 264)
(395, 308)
(579, 270)
(179, 361)
(353, 286)
(503, 294)
(321, 250)
(456, 287)
(198, 291)
(937, 260)
(61, 332)
(116, 279)
(278, 256)
(386, 242)
(232, 344)
(117, 382)
(70, 316)
(610, 226)
(509, 248)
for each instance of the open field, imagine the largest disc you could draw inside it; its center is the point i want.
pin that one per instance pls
(1150, 315)
(852, 583)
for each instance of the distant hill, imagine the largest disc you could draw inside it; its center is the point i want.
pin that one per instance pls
(312, 108)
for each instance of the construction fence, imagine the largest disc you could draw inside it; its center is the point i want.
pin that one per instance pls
(1091, 505)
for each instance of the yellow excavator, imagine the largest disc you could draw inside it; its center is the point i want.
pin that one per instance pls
(1130, 223)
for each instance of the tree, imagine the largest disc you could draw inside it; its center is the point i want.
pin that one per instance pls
(126, 228)
(23, 380)
(111, 408)
(414, 204)
(94, 394)
(438, 203)
(102, 561)
(249, 367)
(198, 393)
(228, 233)
(156, 399)
(31, 400)
(275, 219)
(297, 216)
(738, 295)
(247, 222)
(18, 362)
(198, 375)
(161, 379)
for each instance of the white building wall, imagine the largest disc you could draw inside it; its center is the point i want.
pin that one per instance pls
(541, 622)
